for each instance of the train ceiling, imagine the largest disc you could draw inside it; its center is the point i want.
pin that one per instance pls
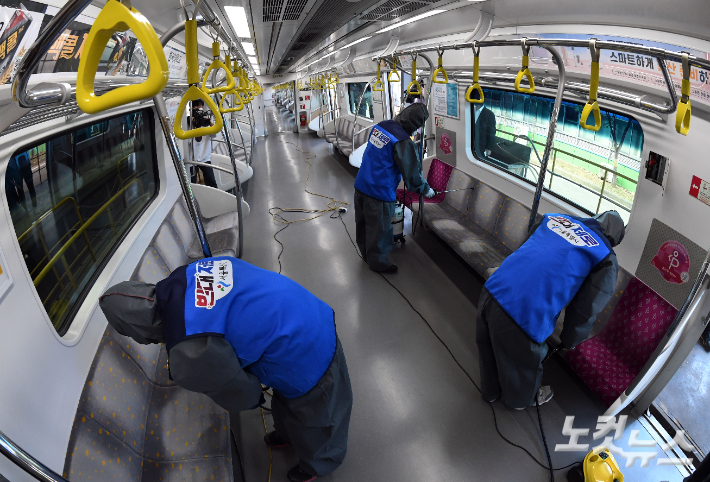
(287, 32)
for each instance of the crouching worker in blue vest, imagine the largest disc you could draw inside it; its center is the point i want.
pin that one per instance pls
(230, 327)
(566, 262)
(390, 154)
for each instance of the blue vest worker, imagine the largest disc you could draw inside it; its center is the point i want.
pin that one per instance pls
(390, 155)
(230, 327)
(566, 263)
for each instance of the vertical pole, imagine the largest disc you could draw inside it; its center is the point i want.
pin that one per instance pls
(554, 161)
(550, 134)
(239, 194)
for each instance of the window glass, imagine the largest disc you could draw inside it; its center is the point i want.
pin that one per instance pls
(72, 197)
(354, 92)
(595, 171)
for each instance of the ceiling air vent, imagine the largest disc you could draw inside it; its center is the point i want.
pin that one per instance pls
(294, 9)
(272, 10)
(276, 11)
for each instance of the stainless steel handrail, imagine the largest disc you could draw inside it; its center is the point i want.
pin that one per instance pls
(32, 58)
(208, 165)
(238, 187)
(550, 133)
(659, 54)
(185, 184)
(26, 462)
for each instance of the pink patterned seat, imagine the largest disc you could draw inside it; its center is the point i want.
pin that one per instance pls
(609, 362)
(438, 178)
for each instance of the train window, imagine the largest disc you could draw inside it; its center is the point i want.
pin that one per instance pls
(595, 171)
(355, 90)
(73, 197)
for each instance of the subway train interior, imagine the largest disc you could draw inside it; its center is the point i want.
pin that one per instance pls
(186, 129)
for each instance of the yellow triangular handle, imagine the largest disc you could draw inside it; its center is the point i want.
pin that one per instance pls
(414, 87)
(440, 70)
(591, 107)
(216, 65)
(379, 86)
(237, 102)
(525, 72)
(116, 17)
(194, 93)
(471, 89)
(395, 73)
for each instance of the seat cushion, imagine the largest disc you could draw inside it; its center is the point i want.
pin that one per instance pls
(636, 327)
(512, 224)
(480, 250)
(484, 205)
(462, 181)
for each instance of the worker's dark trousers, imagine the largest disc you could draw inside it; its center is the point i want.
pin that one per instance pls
(373, 230)
(317, 423)
(511, 361)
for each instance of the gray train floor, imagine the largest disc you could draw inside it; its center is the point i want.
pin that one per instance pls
(690, 412)
(416, 416)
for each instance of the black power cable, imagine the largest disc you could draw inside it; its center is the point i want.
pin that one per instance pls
(495, 418)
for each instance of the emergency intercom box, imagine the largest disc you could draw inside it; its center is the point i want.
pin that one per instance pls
(657, 167)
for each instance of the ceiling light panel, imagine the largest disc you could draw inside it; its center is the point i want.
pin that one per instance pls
(238, 18)
(248, 48)
(410, 20)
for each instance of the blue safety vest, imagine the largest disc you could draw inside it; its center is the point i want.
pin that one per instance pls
(281, 333)
(541, 277)
(379, 175)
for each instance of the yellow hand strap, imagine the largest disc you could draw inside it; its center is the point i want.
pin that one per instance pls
(682, 115)
(475, 87)
(238, 104)
(194, 93)
(414, 87)
(394, 73)
(116, 17)
(592, 106)
(216, 65)
(379, 86)
(440, 70)
(525, 72)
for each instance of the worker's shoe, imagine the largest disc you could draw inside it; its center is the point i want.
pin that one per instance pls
(297, 474)
(391, 270)
(275, 441)
(544, 395)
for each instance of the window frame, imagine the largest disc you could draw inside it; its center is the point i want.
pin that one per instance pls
(148, 111)
(526, 183)
(367, 85)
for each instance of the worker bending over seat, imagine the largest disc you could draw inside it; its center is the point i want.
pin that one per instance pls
(390, 155)
(566, 261)
(230, 327)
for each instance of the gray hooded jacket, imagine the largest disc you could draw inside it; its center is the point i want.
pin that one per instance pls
(406, 152)
(205, 364)
(597, 289)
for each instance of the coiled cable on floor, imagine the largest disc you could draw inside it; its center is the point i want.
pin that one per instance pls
(276, 212)
(495, 418)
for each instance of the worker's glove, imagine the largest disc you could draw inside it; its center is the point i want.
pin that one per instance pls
(430, 193)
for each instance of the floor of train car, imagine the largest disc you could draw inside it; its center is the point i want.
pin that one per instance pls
(416, 416)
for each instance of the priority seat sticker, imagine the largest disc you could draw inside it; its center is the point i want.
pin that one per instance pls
(379, 139)
(573, 232)
(213, 281)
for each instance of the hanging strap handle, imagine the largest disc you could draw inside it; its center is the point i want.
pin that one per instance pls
(475, 87)
(682, 115)
(394, 74)
(592, 106)
(379, 86)
(414, 87)
(194, 93)
(525, 71)
(238, 104)
(116, 17)
(216, 65)
(440, 70)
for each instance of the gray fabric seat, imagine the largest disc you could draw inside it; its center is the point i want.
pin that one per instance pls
(482, 225)
(133, 423)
